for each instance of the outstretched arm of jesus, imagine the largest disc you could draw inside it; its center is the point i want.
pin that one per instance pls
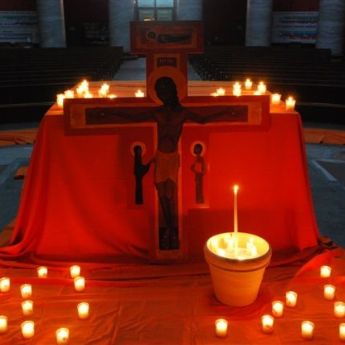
(119, 115)
(231, 113)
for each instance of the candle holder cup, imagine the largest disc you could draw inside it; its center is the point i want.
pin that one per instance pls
(237, 281)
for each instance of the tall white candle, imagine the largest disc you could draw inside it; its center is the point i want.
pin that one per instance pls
(235, 189)
(307, 329)
(28, 329)
(26, 290)
(5, 284)
(342, 331)
(62, 336)
(221, 328)
(3, 323)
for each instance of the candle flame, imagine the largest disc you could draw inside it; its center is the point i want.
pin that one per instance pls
(235, 188)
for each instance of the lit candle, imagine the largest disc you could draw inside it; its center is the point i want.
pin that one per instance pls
(329, 291)
(220, 91)
(236, 89)
(104, 89)
(3, 323)
(307, 329)
(112, 96)
(28, 329)
(88, 95)
(261, 87)
(290, 103)
(79, 283)
(83, 88)
(342, 331)
(27, 307)
(5, 284)
(291, 298)
(139, 93)
(83, 310)
(42, 272)
(277, 308)
(214, 94)
(74, 271)
(221, 328)
(69, 94)
(275, 98)
(235, 189)
(62, 336)
(325, 271)
(26, 290)
(267, 323)
(59, 99)
(248, 84)
(339, 309)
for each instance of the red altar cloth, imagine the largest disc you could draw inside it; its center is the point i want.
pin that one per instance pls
(78, 202)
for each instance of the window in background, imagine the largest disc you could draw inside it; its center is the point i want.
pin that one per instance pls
(163, 10)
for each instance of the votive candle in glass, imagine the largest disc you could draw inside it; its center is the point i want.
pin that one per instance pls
(325, 271)
(267, 323)
(307, 329)
(329, 291)
(42, 272)
(291, 298)
(261, 87)
(221, 328)
(277, 308)
(5, 284)
(27, 307)
(275, 98)
(79, 283)
(83, 310)
(139, 93)
(3, 323)
(342, 331)
(59, 99)
(339, 309)
(62, 335)
(74, 271)
(220, 91)
(248, 84)
(26, 290)
(28, 329)
(290, 103)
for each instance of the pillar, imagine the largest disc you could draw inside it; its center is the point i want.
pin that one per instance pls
(51, 22)
(331, 26)
(121, 13)
(258, 26)
(189, 10)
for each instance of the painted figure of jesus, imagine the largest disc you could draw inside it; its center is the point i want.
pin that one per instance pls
(170, 118)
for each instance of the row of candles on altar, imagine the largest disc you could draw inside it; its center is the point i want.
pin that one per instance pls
(307, 327)
(28, 327)
(83, 91)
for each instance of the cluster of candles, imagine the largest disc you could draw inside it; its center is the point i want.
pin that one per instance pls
(261, 89)
(28, 327)
(307, 327)
(83, 91)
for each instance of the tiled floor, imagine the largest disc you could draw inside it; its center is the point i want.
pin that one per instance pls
(326, 171)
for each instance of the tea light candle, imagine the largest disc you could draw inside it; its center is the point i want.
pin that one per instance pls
(291, 298)
(290, 103)
(277, 308)
(112, 96)
(220, 91)
(79, 283)
(221, 328)
(103, 90)
(83, 310)
(325, 271)
(342, 331)
(275, 98)
(307, 329)
(69, 94)
(59, 99)
(62, 336)
(28, 329)
(74, 271)
(267, 323)
(27, 307)
(26, 290)
(236, 89)
(339, 309)
(214, 94)
(248, 84)
(3, 323)
(329, 291)
(139, 93)
(42, 272)
(5, 284)
(261, 87)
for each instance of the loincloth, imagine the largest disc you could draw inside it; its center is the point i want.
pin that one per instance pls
(166, 166)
